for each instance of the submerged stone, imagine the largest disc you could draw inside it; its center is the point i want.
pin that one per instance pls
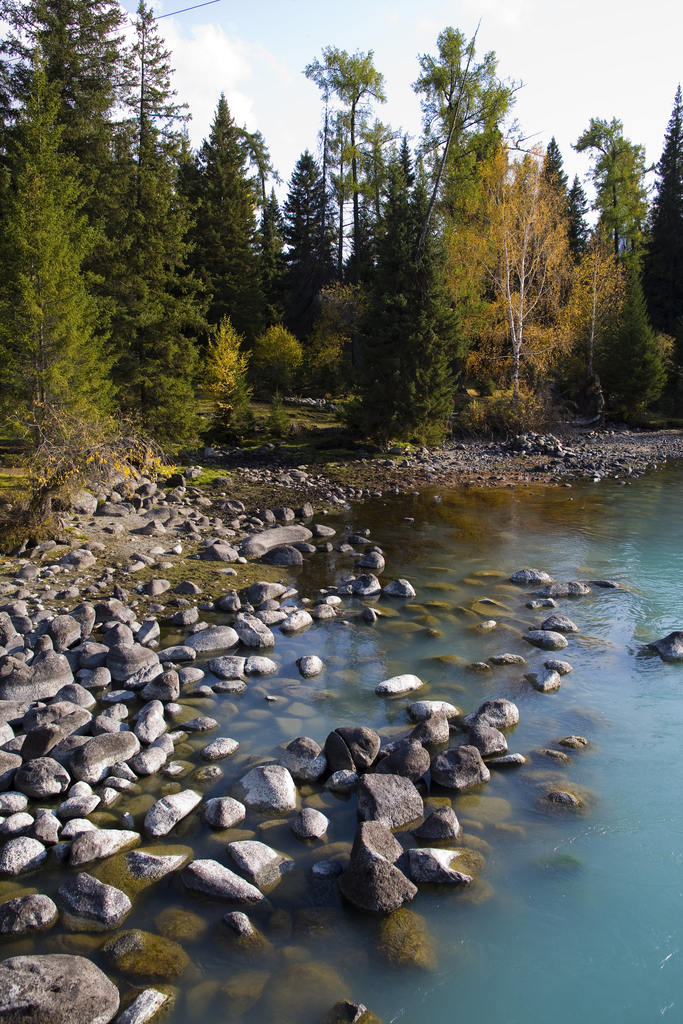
(142, 954)
(403, 941)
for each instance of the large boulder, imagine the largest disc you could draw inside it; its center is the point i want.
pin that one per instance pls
(88, 905)
(269, 788)
(215, 638)
(43, 678)
(209, 878)
(42, 778)
(134, 665)
(20, 855)
(91, 762)
(304, 759)
(488, 740)
(410, 760)
(459, 768)
(55, 989)
(372, 881)
(546, 639)
(252, 632)
(261, 543)
(390, 799)
(500, 713)
(363, 744)
(167, 812)
(572, 589)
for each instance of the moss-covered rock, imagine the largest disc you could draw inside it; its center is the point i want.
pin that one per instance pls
(489, 809)
(404, 941)
(318, 922)
(469, 861)
(346, 1012)
(302, 993)
(242, 992)
(180, 924)
(145, 955)
(134, 872)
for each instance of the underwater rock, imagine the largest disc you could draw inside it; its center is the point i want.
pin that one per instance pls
(144, 1008)
(88, 905)
(301, 994)
(546, 639)
(145, 955)
(403, 941)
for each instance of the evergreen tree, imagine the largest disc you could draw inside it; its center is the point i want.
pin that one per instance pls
(406, 161)
(226, 253)
(272, 261)
(308, 257)
(630, 366)
(663, 263)
(553, 166)
(50, 353)
(578, 232)
(159, 305)
(410, 333)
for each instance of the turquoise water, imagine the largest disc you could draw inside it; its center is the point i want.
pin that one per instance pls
(574, 916)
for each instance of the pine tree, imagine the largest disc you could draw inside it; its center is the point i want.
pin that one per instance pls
(663, 262)
(50, 353)
(578, 232)
(308, 257)
(273, 264)
(410, 333)
(553, 166)
(159, 305)
(630, 366)
(225, 257)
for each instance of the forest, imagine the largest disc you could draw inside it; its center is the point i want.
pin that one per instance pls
(455, 279)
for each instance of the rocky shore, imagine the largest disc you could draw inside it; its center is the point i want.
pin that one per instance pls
(122, 667)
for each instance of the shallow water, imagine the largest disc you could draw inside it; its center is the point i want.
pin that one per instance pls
(575, 916)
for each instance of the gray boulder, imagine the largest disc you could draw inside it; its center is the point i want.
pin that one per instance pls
(299, 619)
(304, 759)
(459, 768)
(219, 749)
(91, 762)
(42, 778)
(526, 576)
(398, 685)
(165, 687)
(150, 724)
(209, 878)
(43, 678)
(363, 744)
(410, 760)
(134, 665)
(227, 667)
(442, 823)
(285, 554)
(560, 624)
(20, 855)
(563, 668)
(310, 665)
(257, 665)
(488, 740)
(55, 989)
(8, 765)
(432, 731)
(104, 842)
(252, 632)
(389, 799)
(224, 812)
(269, 788)
(546, 639)
(264, 866)
(261, 543)
(500, 713)
(64, 631)
(145, 1007)
(434, 866)
(399, 588)
(572, 589)
(310, 824)
(545, 680)
(670, 647)
(167, 812)
(366, 585)
(88, 905)
(215, 638)
(372, 881)
(27, 914)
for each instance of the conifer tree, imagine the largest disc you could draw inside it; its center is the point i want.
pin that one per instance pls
(49, 350)
(630, 365)
(410, 332)
(553, 167)
(226, 255)
(578, 233)
(272, 261)
(663, 262)
(159, 305)
(308, 257)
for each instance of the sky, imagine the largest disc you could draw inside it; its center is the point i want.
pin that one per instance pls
(577, 59)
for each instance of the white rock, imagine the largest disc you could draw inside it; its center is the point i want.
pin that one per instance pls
(399, 684)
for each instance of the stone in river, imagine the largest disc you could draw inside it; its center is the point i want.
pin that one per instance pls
(134, 665)
(262, 865)
(459, 768)
(42, 778)
(299, 619)
(432, 731)
(55, 989)
(560, 624)
(91, 762)
(421, 710)
(338, 754)
(167, 812)
(488, 740)
(261, 543)
(263, 591)
(507, 659)
(433, 865)
(149, 761)
(144, 1008)
(310, 665)
(304, 759)
(165, 687)
(545, 680)
(227, 667)
(323, 612)
(252, 632)
(546, 639)
(310, 824)
(343, 781)
(215, 638)
(442, 823)
(26, 915)
(389, 799)
(20, 855)
(670, 647)
(398, 685)
(180, 652)
(366, 585)
(319, 530)
(224, 812)
(500, 713)
(372, 560)
(363, 743)
(372, 882)
(18, 824)
(203, 724)
(211, 879)
(526, 576)
(302, 992)
(285, 554)
(105, 842)
(574, 742)
(257, 665)
(145, 955)
(219, 749)
(563, 668)
(571, 589)
(410, 760)
(506, 761)
(399, 588)
(89, 905)
(150, 724)
(269, 788)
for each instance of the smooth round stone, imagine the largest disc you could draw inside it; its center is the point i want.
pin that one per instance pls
(229, 686)
(190, 675)
(343, 781)
(11, 803)
(310, 665)
(260, 666)
(20, 855)
(202, 724)
(219, 749)
(17, 824)
(55, 989)
(181, 652)
(310, 824)
(224, 812)
(398, 685)
(421, 710)
(546, 639)
(327, 869)
(563, 668)
(215, 638)
(300, 619)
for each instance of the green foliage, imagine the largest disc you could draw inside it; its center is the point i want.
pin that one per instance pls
(630, 363)
(553, 167)
(49, 346)
(410, 331)
(578, 232)
(504, 414)
(663, 262)
(272, 261)
(225, 373)
(276, 356)
(278, 420)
